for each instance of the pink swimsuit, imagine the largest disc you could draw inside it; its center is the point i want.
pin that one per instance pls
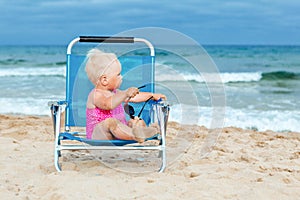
(96, 115)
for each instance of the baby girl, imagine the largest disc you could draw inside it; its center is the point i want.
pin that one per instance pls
(105, 116)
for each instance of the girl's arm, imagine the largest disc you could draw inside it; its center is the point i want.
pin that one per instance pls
(144, 96)
(108, 101)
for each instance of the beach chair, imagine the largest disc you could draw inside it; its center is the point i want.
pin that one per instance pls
(78, 86)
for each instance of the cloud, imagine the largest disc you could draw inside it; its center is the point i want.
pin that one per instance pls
(208, 21)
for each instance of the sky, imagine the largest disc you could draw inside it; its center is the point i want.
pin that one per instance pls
(206, 21)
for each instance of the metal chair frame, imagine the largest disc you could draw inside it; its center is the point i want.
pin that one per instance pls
(59, 107)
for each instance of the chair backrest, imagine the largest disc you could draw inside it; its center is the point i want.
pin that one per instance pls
(136, 71)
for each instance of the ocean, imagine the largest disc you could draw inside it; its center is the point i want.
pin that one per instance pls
(261, 83)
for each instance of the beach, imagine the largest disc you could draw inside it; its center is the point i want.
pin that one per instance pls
(242, 164)
(228, 74)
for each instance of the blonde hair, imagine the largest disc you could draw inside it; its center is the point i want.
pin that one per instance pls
(98, 63)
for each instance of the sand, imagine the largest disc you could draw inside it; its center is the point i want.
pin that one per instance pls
(242, 164)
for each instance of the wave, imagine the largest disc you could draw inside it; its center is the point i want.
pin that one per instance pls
(18, 62)
(228, 77)
(163, 76)
(38, 71)
(280, 75)
(11, 61)
(52, 64)
(221, 77)
(26, 106)
(274, 120)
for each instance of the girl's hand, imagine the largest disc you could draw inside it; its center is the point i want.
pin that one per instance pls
(132, 92)
(156, 97)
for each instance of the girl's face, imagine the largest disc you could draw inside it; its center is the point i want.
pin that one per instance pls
(115, 77)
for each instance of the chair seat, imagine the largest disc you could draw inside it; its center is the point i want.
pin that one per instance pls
(71, 136)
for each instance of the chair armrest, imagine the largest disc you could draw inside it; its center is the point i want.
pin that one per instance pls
(162, 109)
(57, 103)
(57, 108)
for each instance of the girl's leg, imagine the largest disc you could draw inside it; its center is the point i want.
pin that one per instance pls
(142, 133)
(119, 130)
(101, 132)
(136, 122)
(112, 128)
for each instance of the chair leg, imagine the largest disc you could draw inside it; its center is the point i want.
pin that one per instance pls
(56, 111)
(57, 154)
(162, 153)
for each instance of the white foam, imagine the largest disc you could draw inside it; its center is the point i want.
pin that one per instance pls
(241, 77)
(274, 120)
(186, 114)
(33, 71)
(263, 120)
(226, 77)
(25, 106)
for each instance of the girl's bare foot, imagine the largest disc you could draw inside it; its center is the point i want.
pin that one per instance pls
(142, 133)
